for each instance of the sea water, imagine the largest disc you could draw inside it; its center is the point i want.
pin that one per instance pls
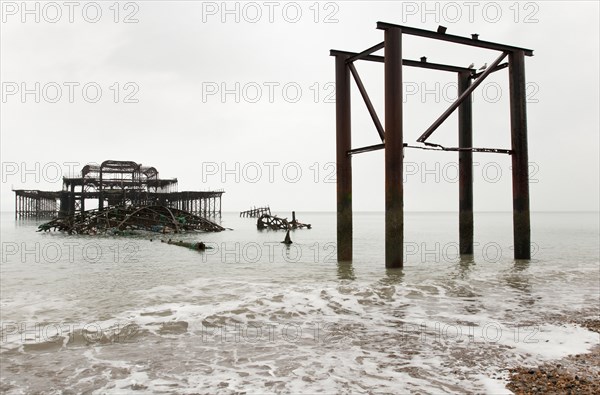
(132, 314)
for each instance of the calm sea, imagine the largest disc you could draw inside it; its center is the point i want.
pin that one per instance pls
(104, 314)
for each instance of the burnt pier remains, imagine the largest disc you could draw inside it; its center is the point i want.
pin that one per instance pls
(273, 222)
(115, 183)
(117, 219)
(255, 212)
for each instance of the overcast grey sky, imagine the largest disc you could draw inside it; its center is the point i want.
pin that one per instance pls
(239, 96)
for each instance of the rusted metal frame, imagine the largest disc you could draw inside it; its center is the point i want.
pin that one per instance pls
(365, 53)
(367, 100)
(452, 38)
(435, 66)
(394, 144)
(436, 124)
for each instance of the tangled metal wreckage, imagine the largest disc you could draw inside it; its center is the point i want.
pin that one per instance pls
(129, 197)
(255, 212)
(273, 222)
(121, 220)
(115, 183)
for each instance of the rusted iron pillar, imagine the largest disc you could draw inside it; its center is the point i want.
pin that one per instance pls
(520, 172)
(394, 189)
(343, 160)
(465, 167)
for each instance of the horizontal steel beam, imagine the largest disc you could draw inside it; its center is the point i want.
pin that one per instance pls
(433, 147)
(407, 62)
(371, 58)
(454, 39)
(438, 147)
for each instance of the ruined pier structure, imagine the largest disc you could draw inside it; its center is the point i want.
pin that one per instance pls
(393, 141)
(115, 183)
(255, 212)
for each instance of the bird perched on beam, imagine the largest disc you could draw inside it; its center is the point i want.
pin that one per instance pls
(471, 66)
(483, 67)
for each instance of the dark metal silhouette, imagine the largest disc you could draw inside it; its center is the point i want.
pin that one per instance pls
(393, 140)
(115, 183)
(255, 212)
(117, 220)
(273, 222)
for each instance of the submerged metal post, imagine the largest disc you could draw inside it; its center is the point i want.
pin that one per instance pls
(465, 167)
(520, 171)
(394, 189)
(344, 161)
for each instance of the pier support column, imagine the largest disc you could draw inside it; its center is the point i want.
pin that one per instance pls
(343, 160)
(520, 157)
(100, 193)
(72, 200)
(465, 167)
(394, 146)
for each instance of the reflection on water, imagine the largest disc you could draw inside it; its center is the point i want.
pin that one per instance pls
(393, 276)
(518, 276)
(465, 266)
(521, 265)
(345, 270)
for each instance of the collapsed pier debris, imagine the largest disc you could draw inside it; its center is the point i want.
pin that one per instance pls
(199, 246)
(117, 220)
(273, 222)
(255, 212)
(114, 183)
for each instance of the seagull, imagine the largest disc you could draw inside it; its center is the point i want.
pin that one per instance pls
(471, 66)
(483, 67)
